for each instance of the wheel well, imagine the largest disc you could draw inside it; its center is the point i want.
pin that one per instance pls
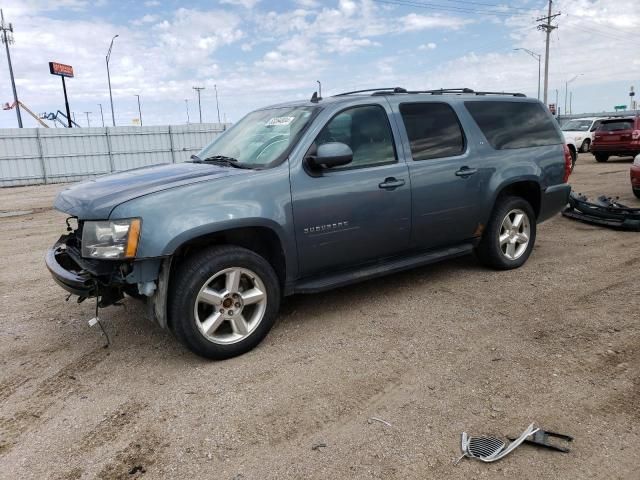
(261, 240)
(529, 190)
(572, 148)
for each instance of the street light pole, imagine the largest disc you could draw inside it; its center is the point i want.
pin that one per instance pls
(215, 87)
(139, 110)
(537, 56)
(566, 91)
(7, 39)
(186, 104)
(88, 121)
(199, 89)
(101, 114)
(113, 115)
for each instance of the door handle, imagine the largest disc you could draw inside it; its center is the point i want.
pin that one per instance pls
(465, 172)
(391, 182)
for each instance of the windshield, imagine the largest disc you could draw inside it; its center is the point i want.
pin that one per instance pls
(261, 137)
(577, 126)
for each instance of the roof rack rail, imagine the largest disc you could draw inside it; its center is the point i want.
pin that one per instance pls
(440, 91)
(375, 91)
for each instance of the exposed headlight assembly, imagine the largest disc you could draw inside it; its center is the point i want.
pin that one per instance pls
(111, 240)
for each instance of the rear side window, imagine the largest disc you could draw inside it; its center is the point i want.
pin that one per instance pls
(616, 125)
(514, 124)
(433, 130)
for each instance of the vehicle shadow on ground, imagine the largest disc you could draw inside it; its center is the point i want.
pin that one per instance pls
(394, 285)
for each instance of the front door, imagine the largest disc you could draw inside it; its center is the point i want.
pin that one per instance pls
(359, 212)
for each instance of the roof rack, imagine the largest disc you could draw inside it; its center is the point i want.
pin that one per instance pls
(440, 91)
(376, 91)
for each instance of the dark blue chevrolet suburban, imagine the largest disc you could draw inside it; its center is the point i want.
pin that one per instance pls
(312, 195)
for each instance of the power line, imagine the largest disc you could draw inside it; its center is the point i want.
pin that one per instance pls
(487, 5)
(433, 6)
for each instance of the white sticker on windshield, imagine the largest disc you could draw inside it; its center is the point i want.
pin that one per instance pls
(277, 121)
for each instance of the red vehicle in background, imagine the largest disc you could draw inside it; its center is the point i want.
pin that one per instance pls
(616, 136)
(635, 176)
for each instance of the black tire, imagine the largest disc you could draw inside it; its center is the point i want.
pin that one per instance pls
(192, 274)
(636, 192)
(601, 157)
(489, 250)
(574, 156)
(584, 148)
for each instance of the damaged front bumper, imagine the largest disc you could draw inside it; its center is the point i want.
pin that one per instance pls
(605, 211)
(106, 279)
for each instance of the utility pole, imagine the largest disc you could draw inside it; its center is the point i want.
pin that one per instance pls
(139, 110)
(199, 89)
(186, 104)
(88, 121)
(107, 57)
(547, 28)
(7, 39)
(215, 87)
(101, 114)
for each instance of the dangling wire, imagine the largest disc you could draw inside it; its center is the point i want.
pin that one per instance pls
(95, 284)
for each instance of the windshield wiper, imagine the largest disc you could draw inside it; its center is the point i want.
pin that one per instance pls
(219, 160)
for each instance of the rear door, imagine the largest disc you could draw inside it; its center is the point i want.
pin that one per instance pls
(445, 177)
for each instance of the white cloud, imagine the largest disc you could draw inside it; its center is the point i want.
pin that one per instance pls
(152, 3)
(427, 46)
(415, 22)
(242, 3)
(145, 19)
(347, 44)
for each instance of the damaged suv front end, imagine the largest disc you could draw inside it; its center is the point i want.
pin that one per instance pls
(97, 259)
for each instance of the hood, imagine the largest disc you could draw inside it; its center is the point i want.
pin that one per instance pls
(95, 199)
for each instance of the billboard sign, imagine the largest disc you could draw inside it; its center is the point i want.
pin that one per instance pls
(61, 69)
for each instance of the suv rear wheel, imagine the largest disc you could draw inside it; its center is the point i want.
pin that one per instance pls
(601, 157)
(223, 301)
(510, 234)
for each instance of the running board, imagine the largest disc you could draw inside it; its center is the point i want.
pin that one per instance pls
(340, 279)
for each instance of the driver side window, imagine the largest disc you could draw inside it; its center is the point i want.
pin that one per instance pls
(366, 131)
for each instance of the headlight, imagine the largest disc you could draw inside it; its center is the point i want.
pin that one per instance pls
(636, 161)
(111, 240)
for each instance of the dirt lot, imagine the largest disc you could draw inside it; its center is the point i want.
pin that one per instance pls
(434, 352)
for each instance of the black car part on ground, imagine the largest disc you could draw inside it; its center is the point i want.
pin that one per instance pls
(605, 211)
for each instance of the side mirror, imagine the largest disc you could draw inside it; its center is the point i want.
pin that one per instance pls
(332, 154)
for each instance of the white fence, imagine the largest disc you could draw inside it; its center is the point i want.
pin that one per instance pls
(30, 156)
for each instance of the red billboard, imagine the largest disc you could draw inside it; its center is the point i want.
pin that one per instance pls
(61, 69)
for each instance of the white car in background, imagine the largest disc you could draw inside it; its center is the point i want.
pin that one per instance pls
(579, 132)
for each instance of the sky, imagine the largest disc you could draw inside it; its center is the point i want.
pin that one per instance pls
(260, 52)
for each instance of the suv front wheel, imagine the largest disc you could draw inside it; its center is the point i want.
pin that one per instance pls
(223, 301)
(510, 234)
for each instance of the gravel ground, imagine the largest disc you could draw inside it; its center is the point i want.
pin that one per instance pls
(434, 352)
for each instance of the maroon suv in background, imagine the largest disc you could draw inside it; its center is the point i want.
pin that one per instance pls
(617, 136)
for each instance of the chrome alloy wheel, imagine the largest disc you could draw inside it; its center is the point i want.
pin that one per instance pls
(230, 305)
(515, 233)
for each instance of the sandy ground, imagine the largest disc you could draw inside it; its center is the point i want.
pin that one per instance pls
(433, 352)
